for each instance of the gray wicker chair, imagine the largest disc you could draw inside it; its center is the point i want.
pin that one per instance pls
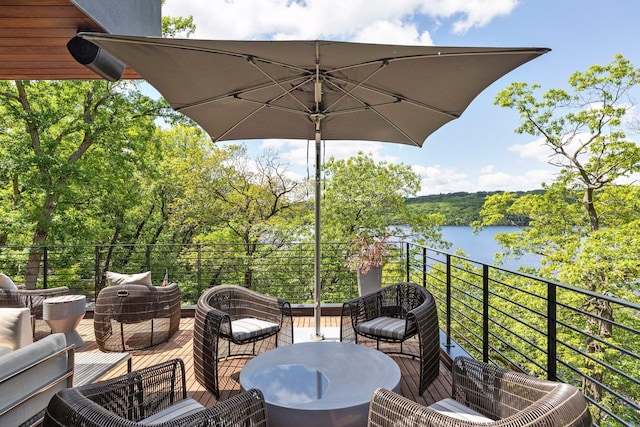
(396, 314)
(155, 393)
(497, 397)
(136, 316)
(234, 321)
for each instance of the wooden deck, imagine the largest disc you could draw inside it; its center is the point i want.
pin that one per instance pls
(180, 346)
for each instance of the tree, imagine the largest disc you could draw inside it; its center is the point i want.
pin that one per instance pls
(585, 225)
(362, 197)
(61, 139)
(240, 200)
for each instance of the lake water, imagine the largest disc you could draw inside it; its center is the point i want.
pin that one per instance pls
(482, 246)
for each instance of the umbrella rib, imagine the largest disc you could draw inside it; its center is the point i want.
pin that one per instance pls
(516, 51)
(236, 94)
(276, 107)
(397, 97)
(393, 125)
(261, 105)
(230, 129)
(162, 42)
(277, 83)
(359, 84)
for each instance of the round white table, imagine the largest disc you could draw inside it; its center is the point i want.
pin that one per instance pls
(320, 384)
(63, 314)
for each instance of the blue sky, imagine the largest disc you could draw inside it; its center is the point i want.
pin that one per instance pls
(480, 151)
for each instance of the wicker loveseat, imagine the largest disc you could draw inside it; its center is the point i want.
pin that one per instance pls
(156, 395)
(132, 314)
(396, 314)
(484, 395)
(235, 321)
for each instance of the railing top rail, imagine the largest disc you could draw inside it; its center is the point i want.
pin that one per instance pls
(560, 285)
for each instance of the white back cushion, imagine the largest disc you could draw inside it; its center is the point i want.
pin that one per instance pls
(128, 279)
(6, 283)
(15, 327)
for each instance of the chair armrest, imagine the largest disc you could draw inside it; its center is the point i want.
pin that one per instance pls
(474, 385)
(285, 336)
(481, 386)
(244, 409)
(34, 298)
(356, 311)
(389, 409)
(132, 396)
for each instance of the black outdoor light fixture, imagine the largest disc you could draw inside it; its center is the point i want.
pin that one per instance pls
(95, 59)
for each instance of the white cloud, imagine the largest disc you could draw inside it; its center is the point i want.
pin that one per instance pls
(532, 150)
(362, 20)
(488, 169)
(438, 179)
(529, 180)
(396, 32)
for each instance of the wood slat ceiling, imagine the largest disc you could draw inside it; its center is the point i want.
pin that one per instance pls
(34, 36)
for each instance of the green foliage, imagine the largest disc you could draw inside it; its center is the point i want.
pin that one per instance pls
(177, 26)
(464, 208)
(362, 197)
(586, 224)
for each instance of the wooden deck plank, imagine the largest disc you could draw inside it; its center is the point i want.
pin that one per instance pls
(181, 346)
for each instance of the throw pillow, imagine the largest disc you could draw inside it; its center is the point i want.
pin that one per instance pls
(6, 283)
(114, 279)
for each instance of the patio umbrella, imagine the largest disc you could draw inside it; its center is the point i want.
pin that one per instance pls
(315, 90)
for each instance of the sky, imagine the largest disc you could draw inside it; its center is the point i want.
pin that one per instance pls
(479, 151)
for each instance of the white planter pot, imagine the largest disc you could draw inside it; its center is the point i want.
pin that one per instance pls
(371, 281)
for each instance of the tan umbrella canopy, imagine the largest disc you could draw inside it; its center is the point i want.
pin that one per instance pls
(315, 90)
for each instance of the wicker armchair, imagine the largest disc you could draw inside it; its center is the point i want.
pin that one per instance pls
(155, 395)
(487, 396)
(142, 316)
(235, 321)
(19, 296)
(395, 314)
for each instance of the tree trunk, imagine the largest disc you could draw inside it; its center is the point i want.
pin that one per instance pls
(599, 325)
(39, 238)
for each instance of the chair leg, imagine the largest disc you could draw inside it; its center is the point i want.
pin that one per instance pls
(122, 335)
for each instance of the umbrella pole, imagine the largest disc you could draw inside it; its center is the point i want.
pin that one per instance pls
(316, 260)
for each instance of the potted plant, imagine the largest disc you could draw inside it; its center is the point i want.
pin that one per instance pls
(367, 258)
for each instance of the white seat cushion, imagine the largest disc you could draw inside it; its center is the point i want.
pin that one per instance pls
(178, 410)
(244, 329)
(384, 327)
(454, 409)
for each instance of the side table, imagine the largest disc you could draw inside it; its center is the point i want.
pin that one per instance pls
(63, 314)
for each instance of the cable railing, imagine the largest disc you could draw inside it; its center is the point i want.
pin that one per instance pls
(537, 326)
(508, 318)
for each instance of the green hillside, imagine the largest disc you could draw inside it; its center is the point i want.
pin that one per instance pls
(459, 208)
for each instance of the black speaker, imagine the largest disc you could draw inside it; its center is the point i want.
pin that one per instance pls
(95, 59)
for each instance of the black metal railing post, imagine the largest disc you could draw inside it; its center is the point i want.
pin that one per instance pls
(96, 270)
(199, 272)
(424, 267)
(551, 331)
(448, 297)
(407, 260)
(485, 313)
(45, 267)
